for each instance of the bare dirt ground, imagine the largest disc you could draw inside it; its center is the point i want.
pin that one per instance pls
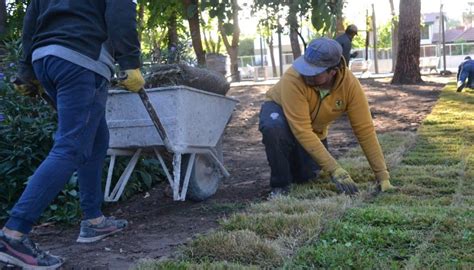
(158, 226)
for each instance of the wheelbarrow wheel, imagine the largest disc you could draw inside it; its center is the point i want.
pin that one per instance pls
(205, 176)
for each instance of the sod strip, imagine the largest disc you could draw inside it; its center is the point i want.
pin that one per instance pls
(429, 223)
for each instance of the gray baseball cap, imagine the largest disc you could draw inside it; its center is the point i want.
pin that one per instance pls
(321, 54)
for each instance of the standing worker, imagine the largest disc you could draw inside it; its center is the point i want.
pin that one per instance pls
(294, 120)
(346, 42)
(64, 51)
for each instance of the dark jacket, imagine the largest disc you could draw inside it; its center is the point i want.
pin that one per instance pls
(346, 44)
(460, 68)
(467, 72)
(83, 26)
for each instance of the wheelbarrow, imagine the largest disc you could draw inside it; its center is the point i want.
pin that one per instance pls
(194, 122)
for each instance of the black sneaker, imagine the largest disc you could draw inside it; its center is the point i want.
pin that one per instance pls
(26, 254)
(278, 191)
(92, 233)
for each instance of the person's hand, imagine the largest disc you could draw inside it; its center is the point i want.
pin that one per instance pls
(354, 54)
(343, 181)
(29, 88)
(385, 186)
(131, 79)
(460, 85)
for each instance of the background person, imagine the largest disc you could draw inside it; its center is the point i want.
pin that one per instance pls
(295, 119)
(467, 75)
(64, 49)
(346, 42)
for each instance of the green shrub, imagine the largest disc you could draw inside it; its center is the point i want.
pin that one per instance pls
(25, 139)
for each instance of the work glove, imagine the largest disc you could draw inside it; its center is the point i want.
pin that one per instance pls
(29, 88)
(385, 186)
(343, 181)
(460, 85)
(131, 79)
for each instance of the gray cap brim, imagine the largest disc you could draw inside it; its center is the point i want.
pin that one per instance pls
(306, 69)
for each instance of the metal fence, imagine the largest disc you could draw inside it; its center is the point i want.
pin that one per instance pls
(250, 66)
(382, 53)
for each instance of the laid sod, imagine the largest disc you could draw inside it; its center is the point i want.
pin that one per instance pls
(428, 223)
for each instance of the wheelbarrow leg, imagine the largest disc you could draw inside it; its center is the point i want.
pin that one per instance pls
(189, 169)
(123, 180)
(179, 191)
(176, 175)
(163, 165)
(219, 164)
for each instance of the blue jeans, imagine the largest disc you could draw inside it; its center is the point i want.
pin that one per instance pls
(288, 160)
(80, 142)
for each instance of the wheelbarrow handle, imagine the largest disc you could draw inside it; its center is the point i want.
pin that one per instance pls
(151, 111)
(155, 119)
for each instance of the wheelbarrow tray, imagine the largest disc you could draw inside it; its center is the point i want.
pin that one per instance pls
(192, 118)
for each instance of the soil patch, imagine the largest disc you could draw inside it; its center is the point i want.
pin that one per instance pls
(158, 226)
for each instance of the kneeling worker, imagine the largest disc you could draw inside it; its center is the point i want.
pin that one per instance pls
(465, 72)
(294, 120)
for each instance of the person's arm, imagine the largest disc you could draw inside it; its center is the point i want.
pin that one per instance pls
(296, 109)
(362, 124)
(25, 68)
(120, 17)
(459, 72)
(461, 83)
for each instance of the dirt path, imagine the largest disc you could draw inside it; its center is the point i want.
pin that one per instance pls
(159, 225)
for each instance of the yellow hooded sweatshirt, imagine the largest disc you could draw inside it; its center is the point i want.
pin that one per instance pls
(309, 116)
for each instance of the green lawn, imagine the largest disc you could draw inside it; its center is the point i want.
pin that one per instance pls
(428, 223)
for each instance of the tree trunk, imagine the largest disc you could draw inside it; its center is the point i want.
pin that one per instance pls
(172, 40)
(394, 36)
(140, 19)
(374, 31)
(3, 17)
(232, 47)
(407, 70)
(272, 55)
(293, 22)
(192, 14)
(339, 25)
